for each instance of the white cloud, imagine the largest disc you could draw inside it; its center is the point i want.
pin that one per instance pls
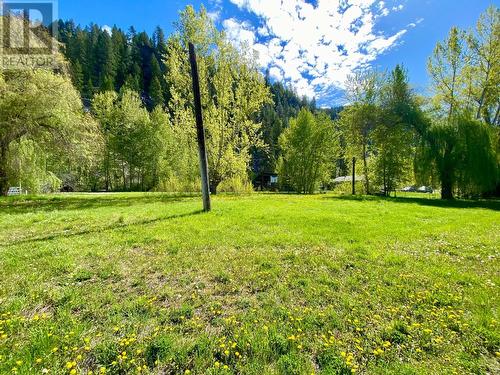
(215, 15)
(314, 47)
(215, 9)
(240, 31)
(107, 28)
(276, 73)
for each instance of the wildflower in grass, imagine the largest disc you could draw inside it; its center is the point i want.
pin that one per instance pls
(38, 360)
(187, 372)
(217, 364)
(73, 372)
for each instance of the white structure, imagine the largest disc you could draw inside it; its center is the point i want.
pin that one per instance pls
(15, 190)
(341, 179)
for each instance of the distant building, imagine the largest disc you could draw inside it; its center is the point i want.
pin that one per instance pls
(266, 181)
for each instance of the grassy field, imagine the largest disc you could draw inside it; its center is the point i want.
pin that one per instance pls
(264, 284)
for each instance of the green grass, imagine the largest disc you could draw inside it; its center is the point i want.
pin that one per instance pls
(264, 284)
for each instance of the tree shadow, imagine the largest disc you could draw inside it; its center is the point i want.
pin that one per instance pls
(456, 203)
(99, 229)
(21, 205)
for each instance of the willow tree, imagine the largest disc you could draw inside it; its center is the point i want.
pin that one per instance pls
(308, 149)
(463, 156)
(43, 108)
(232, 91)
(460, 141)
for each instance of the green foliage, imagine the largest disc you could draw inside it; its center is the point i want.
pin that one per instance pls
(236, 185)
(275, 117)
(358, 120)
(102, 61)
(463, 154)
(41, 111)
(134, 140)
(232, 92)
(465, 70)
(308, 147)
(394, 136)
(445, 67)
(379, 129)
(28, 168)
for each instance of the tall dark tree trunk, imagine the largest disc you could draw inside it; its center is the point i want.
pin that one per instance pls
(446, 186)
(446, 174)
(213, 187)
(3, 169)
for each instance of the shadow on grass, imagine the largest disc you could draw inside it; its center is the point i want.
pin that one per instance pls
(457, 203)
(22, 205)
(100, 229)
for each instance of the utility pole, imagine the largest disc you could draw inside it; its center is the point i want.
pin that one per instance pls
(353, 176)
(200, 130)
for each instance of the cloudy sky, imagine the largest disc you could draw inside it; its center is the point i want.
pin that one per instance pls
(311, 44)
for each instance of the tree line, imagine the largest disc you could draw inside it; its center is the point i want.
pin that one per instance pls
(449, 139)
(116, 114)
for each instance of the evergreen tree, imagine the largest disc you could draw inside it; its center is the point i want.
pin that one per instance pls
(77, 75)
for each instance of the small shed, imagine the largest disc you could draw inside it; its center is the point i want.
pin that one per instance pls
(266, 181)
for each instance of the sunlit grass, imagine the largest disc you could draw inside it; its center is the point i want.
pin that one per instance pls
(264, 284)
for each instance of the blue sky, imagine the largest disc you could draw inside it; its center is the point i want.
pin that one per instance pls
(311, 44)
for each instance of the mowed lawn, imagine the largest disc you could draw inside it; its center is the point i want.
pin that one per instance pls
(264, 284)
